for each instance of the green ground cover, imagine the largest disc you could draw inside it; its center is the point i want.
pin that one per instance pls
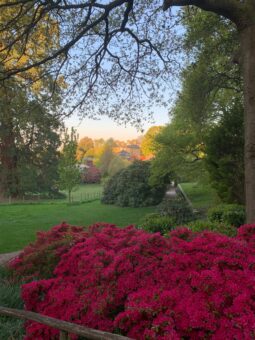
(202, 196)
(19, 223)
(10, 328)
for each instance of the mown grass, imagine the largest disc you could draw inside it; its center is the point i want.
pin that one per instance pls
(19, 223)
(202, 196)
(84, 192)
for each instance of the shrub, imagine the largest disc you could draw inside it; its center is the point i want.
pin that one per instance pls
(178, 209)
(145, 286)
(156, 223)
(202, 225)
(39, 259)
(183, 233)
(231, 214)
(130, 187)
(110, 192)
(91, 175)
(247, 233)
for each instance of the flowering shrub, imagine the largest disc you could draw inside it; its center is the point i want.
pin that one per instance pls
(91, 175)
(39, 259)
(247, 233)
(145, 286)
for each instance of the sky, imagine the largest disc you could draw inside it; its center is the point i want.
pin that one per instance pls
(107, 128)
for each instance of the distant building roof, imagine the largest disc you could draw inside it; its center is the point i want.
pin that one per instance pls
(83, 166)
(133, 146)
(124, 153)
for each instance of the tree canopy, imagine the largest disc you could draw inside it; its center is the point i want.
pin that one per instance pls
(101, 46)
(149, 145)
(209, 110)
(29, 142)
(85, 146)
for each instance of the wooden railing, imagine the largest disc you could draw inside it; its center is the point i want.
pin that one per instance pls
(184, 196)
(65, 328)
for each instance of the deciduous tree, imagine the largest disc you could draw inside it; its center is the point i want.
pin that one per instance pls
(84, 145)
(242, 14)
(29, 142)
(69, 173)
(206, 131)
(149, 145)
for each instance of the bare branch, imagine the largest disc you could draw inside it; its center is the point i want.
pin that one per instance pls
(113, 55)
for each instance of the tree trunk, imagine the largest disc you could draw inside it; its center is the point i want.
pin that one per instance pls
(247, 36)
(9, 182)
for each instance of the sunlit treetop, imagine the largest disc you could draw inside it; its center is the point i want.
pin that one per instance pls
(27, 36)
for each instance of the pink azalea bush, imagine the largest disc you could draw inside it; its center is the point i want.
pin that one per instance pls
(145, 286)
(39, 259)
(247, 233)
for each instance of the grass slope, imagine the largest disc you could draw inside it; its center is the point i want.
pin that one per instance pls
(19, 223)
(86, 191)
(200, 195)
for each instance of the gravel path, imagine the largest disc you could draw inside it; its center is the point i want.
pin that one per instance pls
(171, 192)
(4, 258)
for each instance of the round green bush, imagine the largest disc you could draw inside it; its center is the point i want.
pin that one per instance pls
(154, 223)
(202, 225)
(230, 214)
(130, 187)
(178, 209)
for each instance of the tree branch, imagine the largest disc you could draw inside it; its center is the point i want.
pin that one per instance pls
(231, 9)
(109, 53)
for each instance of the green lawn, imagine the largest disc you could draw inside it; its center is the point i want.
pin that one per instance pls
(202, 196)
(19, 223)
(85, 192)
(82, 192)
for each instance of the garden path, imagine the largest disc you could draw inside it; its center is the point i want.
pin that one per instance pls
(171, 192)
(4, 258)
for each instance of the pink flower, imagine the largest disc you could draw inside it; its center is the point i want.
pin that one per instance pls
(190, 285)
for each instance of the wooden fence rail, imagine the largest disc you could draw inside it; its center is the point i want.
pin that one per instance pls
(65, 327)
(185, 197)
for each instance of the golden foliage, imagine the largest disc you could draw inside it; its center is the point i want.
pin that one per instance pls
(26, 36)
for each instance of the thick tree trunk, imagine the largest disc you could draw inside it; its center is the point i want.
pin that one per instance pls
(248, 63)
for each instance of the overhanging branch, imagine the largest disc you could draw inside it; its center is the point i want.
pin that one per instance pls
(231, 9)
